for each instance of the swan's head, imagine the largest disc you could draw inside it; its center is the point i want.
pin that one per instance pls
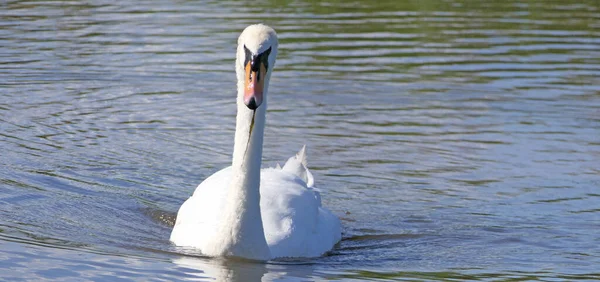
(256, 52)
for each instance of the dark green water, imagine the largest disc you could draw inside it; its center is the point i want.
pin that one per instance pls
(457, 140)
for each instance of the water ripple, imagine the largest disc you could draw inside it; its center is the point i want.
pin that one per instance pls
(456, 140)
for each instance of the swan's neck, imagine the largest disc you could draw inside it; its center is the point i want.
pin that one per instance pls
(247, 150)
(242, 228)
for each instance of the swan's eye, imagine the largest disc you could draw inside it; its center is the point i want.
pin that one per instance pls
(247, 56)
(264, 58)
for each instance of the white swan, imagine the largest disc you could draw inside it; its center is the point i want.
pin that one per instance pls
(243, 211)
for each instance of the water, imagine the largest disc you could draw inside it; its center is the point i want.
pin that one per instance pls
(456, 140)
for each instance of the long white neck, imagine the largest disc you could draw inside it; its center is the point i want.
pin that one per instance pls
(241, 226)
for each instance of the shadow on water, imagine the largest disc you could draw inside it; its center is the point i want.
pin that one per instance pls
(165, 218)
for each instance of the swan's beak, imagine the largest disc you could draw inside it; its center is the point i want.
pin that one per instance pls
(254, 85)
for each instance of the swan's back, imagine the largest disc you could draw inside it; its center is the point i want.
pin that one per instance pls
(293, 218)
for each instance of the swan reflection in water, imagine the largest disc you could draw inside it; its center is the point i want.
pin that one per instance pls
(233, 270)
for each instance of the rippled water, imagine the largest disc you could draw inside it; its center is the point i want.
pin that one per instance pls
(456, 140)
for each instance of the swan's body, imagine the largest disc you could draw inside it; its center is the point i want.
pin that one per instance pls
(247, 212)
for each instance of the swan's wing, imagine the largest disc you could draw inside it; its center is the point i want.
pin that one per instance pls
(295, 224)
(298, 166)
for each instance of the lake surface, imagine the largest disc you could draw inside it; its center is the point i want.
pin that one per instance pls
(455, 139)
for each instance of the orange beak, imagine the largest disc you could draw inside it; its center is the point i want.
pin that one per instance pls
(254, 85)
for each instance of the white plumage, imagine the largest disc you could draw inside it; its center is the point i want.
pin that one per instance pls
(247, 212)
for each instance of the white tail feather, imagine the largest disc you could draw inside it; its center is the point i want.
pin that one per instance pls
(302, 156)
(298, 166)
